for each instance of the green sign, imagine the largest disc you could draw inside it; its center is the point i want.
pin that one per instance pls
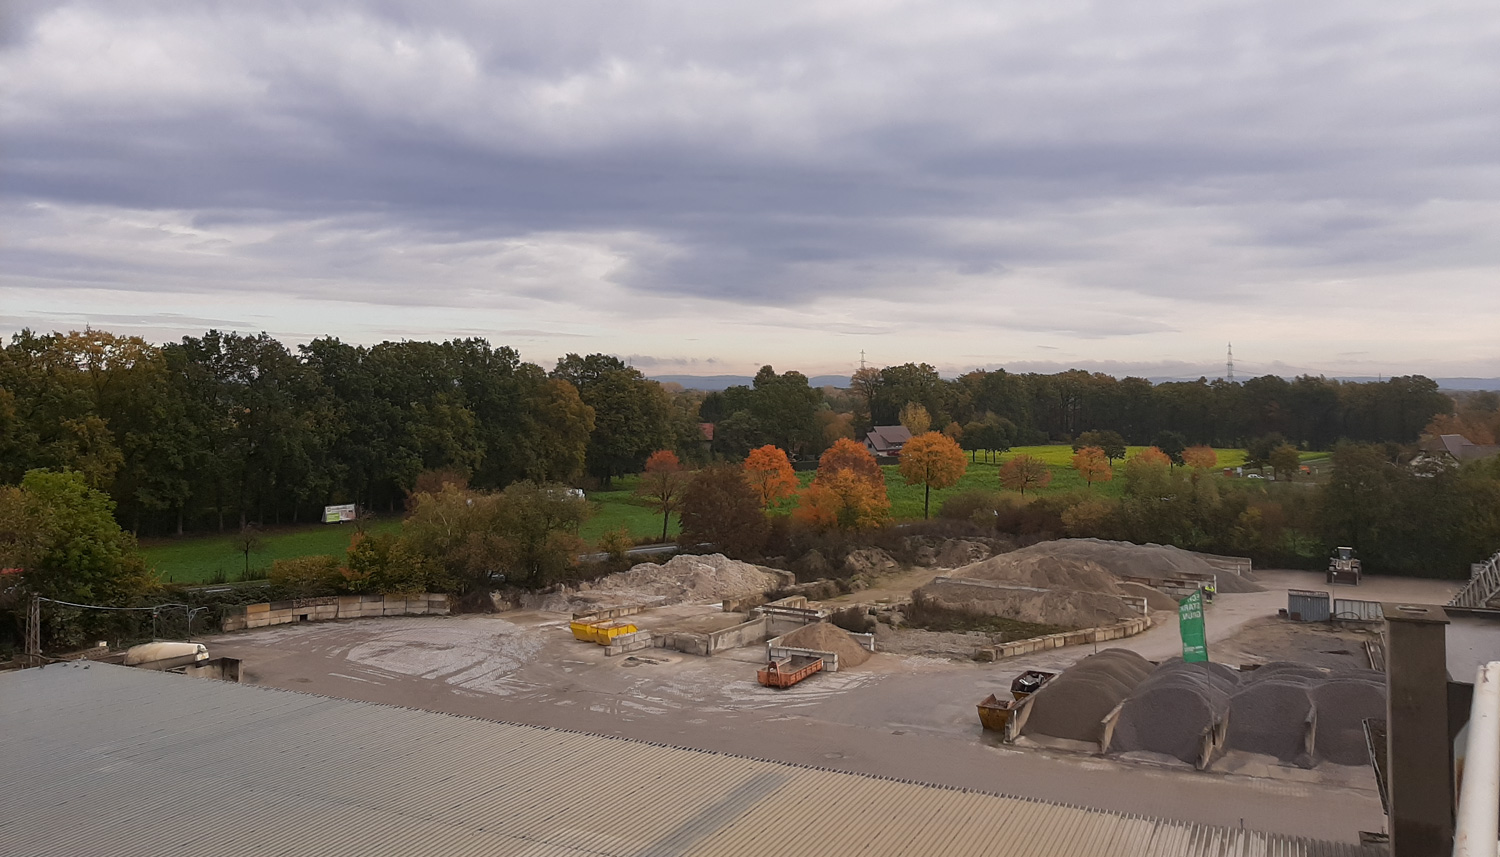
(1190, 622)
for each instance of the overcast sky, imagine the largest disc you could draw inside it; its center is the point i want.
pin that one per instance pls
(708, 187)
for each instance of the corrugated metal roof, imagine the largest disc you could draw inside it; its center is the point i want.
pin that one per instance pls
(107, 760)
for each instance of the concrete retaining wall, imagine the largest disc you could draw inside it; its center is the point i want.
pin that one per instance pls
(747, 634)
(330, 607)
(1103, 633)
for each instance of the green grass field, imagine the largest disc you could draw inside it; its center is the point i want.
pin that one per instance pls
(200, 559)
(906, 500)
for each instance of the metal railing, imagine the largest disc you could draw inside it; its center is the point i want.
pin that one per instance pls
(1484, 583)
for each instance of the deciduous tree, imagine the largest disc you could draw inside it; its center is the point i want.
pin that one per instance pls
(1200, 457)
(1285, 461)
(933, 461)
(1025, 472)
(770, 474)
(1093, 465)
(845, 500)
(1112, 444)
(915, 418)
(662, 484)
(846, 454)
(1172, 444)
(721, 509)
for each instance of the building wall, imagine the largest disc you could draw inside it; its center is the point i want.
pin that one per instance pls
(326, 608)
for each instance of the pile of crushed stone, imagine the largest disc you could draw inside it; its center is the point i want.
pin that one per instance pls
(1095, 565)
(682, 579)
(1173, 708)
(1166, 711)
(1065, 609)
(824, 637)
(1073, 705)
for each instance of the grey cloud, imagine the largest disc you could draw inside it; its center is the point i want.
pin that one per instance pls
(1216, 155)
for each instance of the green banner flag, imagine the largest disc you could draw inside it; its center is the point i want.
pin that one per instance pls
(1190, 623)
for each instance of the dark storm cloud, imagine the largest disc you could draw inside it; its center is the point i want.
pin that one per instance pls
(775, 157)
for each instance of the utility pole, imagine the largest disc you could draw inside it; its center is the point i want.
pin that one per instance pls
(34, 630)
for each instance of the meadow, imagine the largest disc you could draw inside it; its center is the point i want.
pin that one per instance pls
(202, 559)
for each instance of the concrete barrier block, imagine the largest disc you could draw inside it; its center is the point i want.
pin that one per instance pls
(280, 605)
(416, 608)
(257, 608)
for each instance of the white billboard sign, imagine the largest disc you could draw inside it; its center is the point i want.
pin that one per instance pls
(338, 514)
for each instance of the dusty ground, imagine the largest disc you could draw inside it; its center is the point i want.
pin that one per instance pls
(891, 588)
(908, 717)
(1274, 639)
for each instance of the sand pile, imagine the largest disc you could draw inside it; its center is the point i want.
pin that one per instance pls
(1073, 705)
(682, 579)
(1155, 598)
(824, 637)
(1172, 709)
(1076, 561)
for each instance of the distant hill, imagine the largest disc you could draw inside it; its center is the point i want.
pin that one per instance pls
(715, 383)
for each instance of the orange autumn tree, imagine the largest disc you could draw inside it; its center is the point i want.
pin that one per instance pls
(663, 484)
(1200, 457)
(1024, 472)
(770, 473)
(932, 460)
(848, 491)
(1093, 465)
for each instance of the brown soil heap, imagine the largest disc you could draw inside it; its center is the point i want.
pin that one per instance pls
(1073, 705)
(823, 637)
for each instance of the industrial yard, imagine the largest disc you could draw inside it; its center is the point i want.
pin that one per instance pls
(899, 715)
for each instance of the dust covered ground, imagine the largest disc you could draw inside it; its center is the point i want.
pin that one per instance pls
(902, 716)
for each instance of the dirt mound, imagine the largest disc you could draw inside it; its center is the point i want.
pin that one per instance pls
(869, 561)
(681, 579)
(824, 637)
(1270, 716)
(1076, 561)
(1155, 598)
(1073, 705)
(1171, 710)
(1028, 604)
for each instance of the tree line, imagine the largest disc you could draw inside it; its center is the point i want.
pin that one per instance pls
(217, 431)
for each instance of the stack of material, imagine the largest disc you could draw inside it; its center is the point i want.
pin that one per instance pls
(1076, 563)
(1343, 704)
(1073, 705)
(682, 579)
(1270, 715)
(823, 637)
(1171, 711)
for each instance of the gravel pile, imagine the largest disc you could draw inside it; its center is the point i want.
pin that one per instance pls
(1270, 716)
(1073, 705)
(824, 637)
(1075, 563)
(1041, 607)
(1342, 706)
(682, 579)
(1171, 710)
